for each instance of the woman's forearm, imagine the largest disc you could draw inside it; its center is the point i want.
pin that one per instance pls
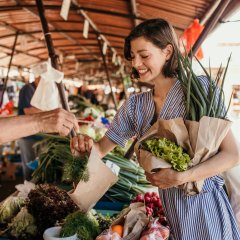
(213, 166)
(104, 146)
(227, 157)
(12, 128)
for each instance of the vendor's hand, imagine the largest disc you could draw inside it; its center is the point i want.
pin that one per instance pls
(165, 178)
(81, 144)
(57, 121)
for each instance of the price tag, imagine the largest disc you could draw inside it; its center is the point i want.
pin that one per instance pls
(104, 48)
(65, 9)
(113, 167)
(85, 28)
(114, 57)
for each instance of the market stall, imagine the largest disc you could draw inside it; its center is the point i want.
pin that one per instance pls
(83, 195)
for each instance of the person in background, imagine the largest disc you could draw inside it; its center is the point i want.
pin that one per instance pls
(55, 121)
(152, 49)
(26, 144)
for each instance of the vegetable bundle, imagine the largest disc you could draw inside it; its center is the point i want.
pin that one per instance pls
(199, 100)
(56, 162)
(132, 180)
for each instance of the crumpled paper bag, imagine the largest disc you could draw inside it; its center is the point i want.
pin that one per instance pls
(201, 140)
(134, 220)
(101, 178)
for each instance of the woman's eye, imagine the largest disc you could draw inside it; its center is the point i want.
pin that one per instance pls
(145, 56)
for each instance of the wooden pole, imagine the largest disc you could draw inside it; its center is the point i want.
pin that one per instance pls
(210, 24)
(9, 67)
(107, 72)
(52, 54)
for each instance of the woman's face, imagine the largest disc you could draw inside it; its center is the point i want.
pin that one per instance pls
(147, 59)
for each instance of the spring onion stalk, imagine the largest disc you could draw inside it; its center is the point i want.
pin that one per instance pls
(200, 101)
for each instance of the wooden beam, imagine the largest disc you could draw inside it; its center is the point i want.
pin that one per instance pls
(23, 52)
(73, 8)
(210, 24)
(9, 67)
(64, 31)
(134, 12)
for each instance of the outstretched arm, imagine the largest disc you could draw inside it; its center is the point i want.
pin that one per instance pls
(54, 121)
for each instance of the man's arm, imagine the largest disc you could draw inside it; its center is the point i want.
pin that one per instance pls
(31, 110)
(54, 121)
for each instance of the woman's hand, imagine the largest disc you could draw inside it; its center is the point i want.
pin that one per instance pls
(166, 178)
(81, 144)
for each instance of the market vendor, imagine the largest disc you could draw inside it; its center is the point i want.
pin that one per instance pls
(54, 121)
(152, 49)
(26, 144)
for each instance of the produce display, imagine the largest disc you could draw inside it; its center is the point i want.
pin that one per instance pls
(85, 225)
(131, 180)
(169, 151)
(56, 163)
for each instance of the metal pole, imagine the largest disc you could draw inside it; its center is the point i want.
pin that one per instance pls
(107, 73)
(52, 54)
(9, 66)
(210, 24)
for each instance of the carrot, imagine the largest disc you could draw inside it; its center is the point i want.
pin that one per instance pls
(118, 229)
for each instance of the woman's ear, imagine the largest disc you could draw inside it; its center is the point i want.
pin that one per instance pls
(168, 50)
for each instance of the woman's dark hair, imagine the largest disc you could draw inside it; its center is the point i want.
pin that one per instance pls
(160, 33)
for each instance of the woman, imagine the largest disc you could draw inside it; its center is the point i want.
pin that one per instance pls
(152, 49)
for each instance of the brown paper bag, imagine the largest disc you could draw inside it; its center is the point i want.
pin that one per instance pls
(206, 137)
(101, 178)
(201, 140)
(134, 220)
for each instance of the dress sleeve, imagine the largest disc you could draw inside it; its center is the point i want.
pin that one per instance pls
(122, 127)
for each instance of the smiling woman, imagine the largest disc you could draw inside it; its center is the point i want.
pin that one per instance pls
(152, 49)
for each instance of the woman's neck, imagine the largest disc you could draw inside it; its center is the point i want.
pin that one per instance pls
(162, 86)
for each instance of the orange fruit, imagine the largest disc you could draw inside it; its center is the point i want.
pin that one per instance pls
(118, 229)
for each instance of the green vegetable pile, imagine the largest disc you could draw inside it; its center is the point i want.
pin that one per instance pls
(85, 225)
(131, 180)
(23, 226)
(168, 151)
(57, 163)
(10, 207)
(48, 205)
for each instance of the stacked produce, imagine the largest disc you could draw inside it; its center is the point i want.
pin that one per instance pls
(131, 179)
(144, 219)
(57, 163)
(153, 206)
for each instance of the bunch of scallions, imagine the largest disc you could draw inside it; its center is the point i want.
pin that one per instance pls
(199, 101)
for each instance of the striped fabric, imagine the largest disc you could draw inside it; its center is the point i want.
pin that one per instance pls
(206, 216)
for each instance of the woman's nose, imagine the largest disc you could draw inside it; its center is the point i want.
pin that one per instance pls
(136, 62)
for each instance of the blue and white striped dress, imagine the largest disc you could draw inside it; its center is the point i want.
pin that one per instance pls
(206, 216)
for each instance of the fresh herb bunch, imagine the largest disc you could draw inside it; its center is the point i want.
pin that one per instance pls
(75, 169)
(168, 151)
(56, 162)
(104, 221)
(49, 204)
(84, 224)
(200, 102)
